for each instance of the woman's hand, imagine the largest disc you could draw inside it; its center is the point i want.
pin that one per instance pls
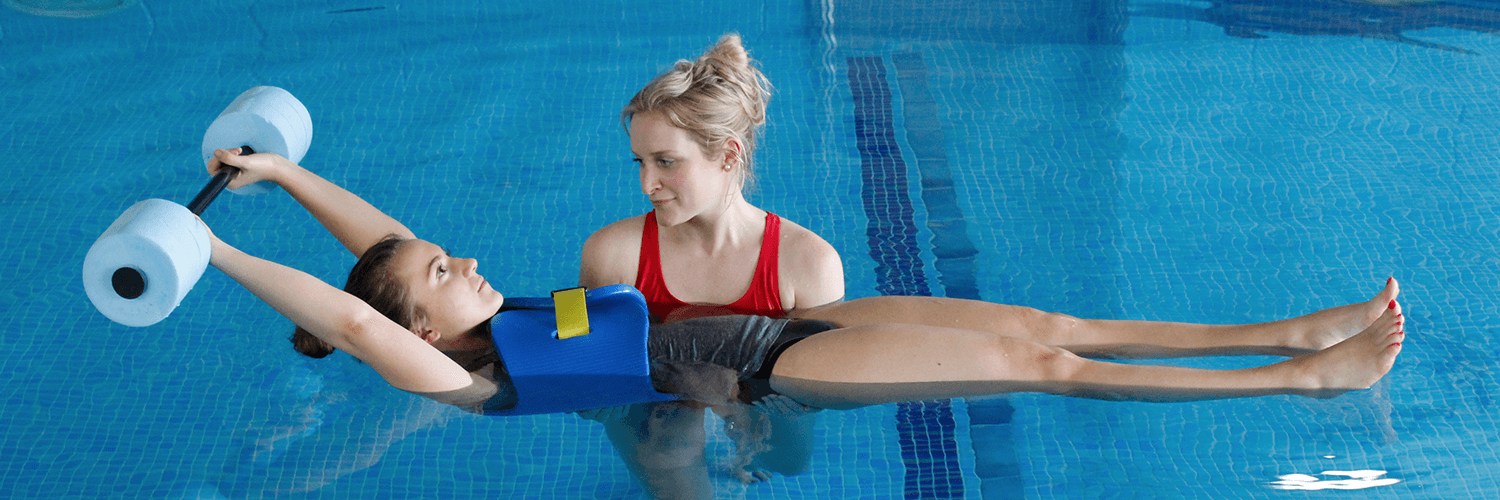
(787, 407)
(605, 414)
(253, 168)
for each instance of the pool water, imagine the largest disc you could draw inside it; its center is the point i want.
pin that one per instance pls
(1223, 161)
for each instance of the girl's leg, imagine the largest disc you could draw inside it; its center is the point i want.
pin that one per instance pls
(1115, 338)
(875, 364)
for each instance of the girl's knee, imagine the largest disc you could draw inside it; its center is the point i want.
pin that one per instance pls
(1056, 329)
(1020, 361)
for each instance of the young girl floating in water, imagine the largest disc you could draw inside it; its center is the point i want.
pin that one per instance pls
(420, 318)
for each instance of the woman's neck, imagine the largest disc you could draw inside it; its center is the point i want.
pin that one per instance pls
(739, 223)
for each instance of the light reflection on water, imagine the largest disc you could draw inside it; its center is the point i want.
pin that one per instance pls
(1350, 480)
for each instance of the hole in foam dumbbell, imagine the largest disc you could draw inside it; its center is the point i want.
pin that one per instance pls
(128, 282)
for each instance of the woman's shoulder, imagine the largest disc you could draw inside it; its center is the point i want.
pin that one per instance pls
(610, 255)
(620, 232)
(629, 227)
(811, 270)
(802, 244)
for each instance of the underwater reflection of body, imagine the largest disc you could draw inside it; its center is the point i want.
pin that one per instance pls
(75, 9)
(314, 429)
(1379, 19)
(420, 318)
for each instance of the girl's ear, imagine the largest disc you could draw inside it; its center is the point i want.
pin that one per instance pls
(420, 328)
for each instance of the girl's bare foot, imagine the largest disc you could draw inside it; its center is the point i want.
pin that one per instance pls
(1330, 326)
(1358, 361)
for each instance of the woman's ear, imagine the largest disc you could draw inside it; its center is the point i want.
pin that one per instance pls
(732, 153)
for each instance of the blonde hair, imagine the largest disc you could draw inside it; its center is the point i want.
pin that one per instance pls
(720, 96)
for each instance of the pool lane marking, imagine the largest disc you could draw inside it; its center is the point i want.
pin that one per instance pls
(929, 448)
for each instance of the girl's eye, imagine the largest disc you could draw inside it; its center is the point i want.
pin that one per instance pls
(441, 271)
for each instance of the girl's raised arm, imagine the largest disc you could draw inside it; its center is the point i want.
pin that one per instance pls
(344, 321)
(355, 222)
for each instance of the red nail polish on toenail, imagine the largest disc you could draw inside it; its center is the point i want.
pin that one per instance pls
(1392, 306)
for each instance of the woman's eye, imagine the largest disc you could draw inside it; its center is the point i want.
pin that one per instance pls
(441, 271)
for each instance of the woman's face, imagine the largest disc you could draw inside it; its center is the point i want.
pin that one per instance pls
(450, 291)
(682, 181)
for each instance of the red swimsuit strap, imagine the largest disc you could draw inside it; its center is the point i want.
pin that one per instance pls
(764, 296)
(648, 278)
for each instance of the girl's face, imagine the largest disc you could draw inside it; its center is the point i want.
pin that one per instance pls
(682, 181)
(450, 291)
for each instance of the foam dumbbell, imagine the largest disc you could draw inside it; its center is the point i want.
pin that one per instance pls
(139, 270)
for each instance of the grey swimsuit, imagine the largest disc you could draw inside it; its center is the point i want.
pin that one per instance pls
(709, 359)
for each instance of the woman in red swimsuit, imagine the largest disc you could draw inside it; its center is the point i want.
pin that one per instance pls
(693, 131)
(705, 250)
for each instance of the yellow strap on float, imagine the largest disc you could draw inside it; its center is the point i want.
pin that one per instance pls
(572, 313)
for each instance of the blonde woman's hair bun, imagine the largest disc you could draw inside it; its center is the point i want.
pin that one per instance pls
(729, 52)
